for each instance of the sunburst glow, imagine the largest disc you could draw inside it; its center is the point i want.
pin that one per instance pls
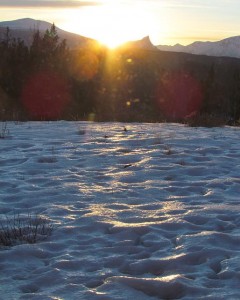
(111, 24)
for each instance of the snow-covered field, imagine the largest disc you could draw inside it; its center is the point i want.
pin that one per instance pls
(148, 213)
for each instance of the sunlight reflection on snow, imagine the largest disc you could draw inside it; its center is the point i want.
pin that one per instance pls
(131, 220)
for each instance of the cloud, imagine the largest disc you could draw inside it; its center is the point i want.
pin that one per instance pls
(46, 3)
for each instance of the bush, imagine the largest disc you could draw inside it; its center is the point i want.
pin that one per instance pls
(206, 120)
(4, 131)
(20, 230)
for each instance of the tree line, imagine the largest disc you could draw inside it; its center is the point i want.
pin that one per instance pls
(49, 81)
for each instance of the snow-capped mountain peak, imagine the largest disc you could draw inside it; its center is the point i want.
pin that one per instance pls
(226, 47)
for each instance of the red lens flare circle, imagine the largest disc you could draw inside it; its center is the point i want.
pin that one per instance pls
(46, 95)
(179, 95)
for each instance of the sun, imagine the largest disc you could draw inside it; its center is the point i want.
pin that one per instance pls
(111, 24)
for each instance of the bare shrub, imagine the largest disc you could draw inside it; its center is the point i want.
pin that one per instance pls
(206, 120)
(168, 150)
(24, 229)
(47, 160)
(4, 131)
(181, 162)
(81, 131)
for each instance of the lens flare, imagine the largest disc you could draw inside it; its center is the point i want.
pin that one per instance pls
(45, 95)
(179, 95)
(85, 65)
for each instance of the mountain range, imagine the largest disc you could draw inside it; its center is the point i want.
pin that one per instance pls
(229, 47)
(24, 29)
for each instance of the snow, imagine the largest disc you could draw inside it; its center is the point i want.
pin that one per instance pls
(147, 213)
(226, 47)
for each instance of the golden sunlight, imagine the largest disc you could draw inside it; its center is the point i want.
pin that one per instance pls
(111, 24)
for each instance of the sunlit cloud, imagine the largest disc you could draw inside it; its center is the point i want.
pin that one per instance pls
(47, 3)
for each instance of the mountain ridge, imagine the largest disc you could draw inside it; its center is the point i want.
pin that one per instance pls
(26, 23)
(228, 47)
(25, 28)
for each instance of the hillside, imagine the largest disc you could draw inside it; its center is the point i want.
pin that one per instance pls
(229, 47)
(25, 28)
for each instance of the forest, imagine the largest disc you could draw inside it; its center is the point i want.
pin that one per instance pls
(49, 81)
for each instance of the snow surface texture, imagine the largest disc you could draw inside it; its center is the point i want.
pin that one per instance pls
(147, 213)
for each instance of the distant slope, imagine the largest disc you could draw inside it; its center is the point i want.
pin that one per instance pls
(26, 24)
(228, 47)
(25, 28)
(144, 43)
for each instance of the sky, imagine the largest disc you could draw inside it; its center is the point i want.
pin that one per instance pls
(115, 21)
